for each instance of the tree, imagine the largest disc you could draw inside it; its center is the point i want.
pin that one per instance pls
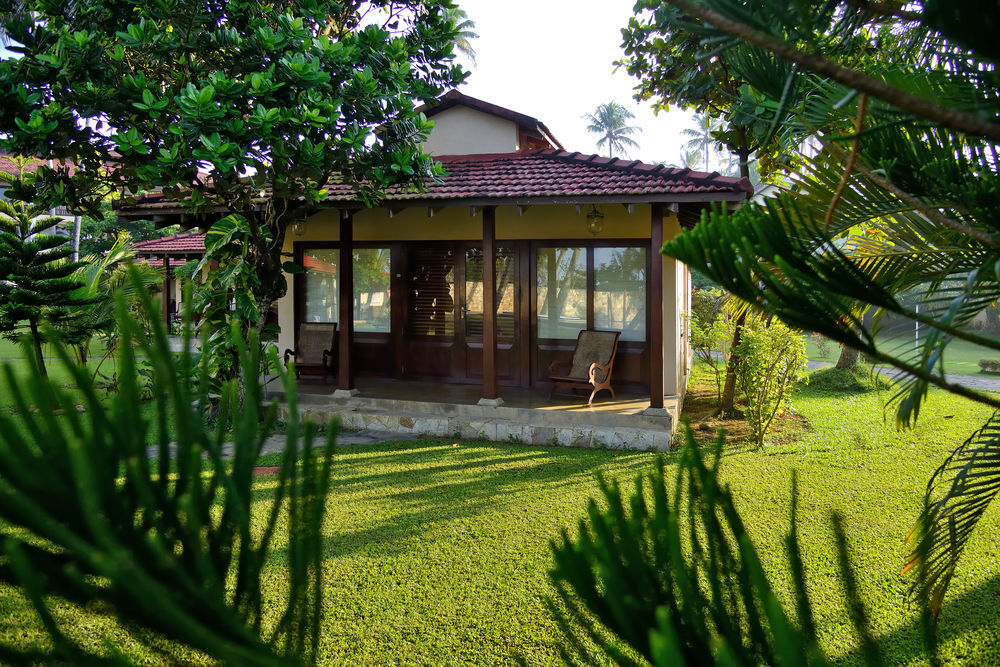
(664, 51)
(913, 187)
(36, 283)
(106, 278)
(465, 32)
(701, 139)
(235, 109)
(610, 121)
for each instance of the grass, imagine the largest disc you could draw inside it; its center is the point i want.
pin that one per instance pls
(961, 357)
(437, 551)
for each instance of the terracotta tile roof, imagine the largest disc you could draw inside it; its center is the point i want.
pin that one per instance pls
(7, 164)
(556, 174)
(190, 242)
(546, 174)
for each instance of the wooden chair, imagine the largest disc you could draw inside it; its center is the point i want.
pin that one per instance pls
(593, 360)
(315, 350)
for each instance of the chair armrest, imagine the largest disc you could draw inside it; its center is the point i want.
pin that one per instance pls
(594, 367)
(559, 368)
(288, 354)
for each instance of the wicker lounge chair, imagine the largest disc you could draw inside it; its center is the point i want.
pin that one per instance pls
(315, 350)
(593, 360)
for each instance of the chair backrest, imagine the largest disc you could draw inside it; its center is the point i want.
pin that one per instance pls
(593, 347)
(314, 338)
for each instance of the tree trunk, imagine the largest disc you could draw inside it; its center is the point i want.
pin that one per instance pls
(727, 406)
(744, 156)
(848, 357)
(36, 344)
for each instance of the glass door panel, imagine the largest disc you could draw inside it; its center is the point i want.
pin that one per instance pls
(507, 308)
(506, 277)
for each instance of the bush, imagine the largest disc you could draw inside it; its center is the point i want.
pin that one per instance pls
(856, 380)
(989, 365)
(170, 545)
(772, 359)
(710, 332)
(823, 345)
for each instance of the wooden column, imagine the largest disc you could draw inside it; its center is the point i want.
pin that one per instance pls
(490, 395)
(166, 291)
(656, 297)
(345, 327)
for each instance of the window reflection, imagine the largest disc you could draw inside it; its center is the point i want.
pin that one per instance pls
(561, 292)
(620, 291)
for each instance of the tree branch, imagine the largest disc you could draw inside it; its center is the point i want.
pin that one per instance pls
(955, 119)
(931, 213)
(859, 124)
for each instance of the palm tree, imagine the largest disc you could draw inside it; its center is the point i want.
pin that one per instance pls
(465, 32)
(689, 158)
(610, 121)
(701, 136)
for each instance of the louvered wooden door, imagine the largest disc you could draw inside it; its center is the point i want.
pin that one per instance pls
(470, 327)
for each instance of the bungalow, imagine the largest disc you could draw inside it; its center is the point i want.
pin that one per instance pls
(169, 252)
(487, 276)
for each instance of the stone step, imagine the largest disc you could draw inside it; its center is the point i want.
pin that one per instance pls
(470, 422)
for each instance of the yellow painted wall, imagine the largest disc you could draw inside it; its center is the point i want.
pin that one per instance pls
(455, 223)
(464, 131)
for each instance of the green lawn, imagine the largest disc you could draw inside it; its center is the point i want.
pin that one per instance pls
(437, 552)
(961, 357)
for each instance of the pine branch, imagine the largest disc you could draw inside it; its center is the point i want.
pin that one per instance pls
(955, 119)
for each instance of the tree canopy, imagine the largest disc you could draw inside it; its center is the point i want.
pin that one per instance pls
(243, 108)
(610, 121)
(903, 193)
(37, 287)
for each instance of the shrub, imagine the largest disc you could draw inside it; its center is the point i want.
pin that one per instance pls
(772, 359)
(989, 365)
(710, 332)
(823, 345)
(169, 545)
(671, 575)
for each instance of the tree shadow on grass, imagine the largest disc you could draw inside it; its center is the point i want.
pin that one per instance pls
(964, 615)
(464, 482)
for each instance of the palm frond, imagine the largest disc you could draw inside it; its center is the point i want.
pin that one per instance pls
(957, 497)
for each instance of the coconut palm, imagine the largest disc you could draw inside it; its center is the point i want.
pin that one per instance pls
(701, 139)
(465, 32)
(611, 122)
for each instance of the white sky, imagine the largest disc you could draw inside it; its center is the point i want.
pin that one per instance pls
(552, 59)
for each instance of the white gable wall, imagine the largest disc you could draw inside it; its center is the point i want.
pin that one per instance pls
(464, 131)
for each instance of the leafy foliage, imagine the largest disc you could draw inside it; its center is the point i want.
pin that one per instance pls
(711, 332)
(772, 359)
(913, 201)
(242, 108)
(224, 298)
(37, 287)
(164, 543)
(104, 278)
(673, 577)
(857, 379)
(610, 122)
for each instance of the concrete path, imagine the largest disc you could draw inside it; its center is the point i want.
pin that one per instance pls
(979, 382)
